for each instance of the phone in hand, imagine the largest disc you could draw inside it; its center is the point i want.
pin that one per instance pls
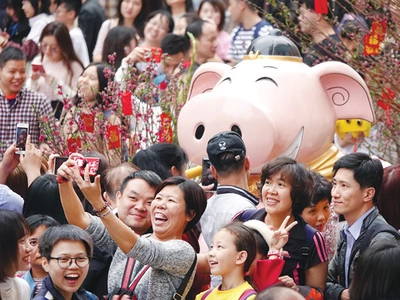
(154, 54)
(38, 68)
(93, 163)
(58, 161)
(21, 136)
(207, 177)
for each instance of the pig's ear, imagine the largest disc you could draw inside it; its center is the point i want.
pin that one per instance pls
(346, 90)
(206, 77)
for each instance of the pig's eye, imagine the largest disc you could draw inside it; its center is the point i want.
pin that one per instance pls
(199, 131)
(267, 79)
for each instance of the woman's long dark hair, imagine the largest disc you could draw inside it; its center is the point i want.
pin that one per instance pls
(61, 33)
(140, 18)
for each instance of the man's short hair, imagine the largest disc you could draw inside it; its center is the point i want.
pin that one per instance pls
(196, 28)
(226, 151)
(368, 172)
(74, 5)
(173, 44)
(150, 177)
(11, 53)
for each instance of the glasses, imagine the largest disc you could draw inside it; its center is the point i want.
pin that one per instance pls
(51, 48)
(66, 262)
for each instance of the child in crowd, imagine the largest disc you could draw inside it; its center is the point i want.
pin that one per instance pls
(318, 212)
(320, 215)
(232, 252)
(38, 225)
(236, 254)
(66, 252)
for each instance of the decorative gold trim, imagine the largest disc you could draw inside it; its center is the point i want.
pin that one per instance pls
(254, 56)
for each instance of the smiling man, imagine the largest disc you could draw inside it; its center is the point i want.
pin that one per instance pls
(17, 103)
(356, 184)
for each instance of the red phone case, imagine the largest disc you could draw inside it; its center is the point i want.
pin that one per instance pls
(38, 68)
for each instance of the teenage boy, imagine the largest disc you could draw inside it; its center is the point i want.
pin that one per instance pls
(356, 184)
(66, 13)
(251, 26)
(66, 252)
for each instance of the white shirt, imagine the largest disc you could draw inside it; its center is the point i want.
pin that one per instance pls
(80, 47)
(37, 23)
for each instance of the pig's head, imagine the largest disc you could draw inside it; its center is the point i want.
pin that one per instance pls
(280, 107)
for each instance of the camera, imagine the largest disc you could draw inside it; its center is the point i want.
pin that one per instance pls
(207, 177)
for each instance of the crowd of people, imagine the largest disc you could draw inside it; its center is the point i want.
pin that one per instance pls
(141, 229)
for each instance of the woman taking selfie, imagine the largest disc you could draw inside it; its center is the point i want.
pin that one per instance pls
(161, 260)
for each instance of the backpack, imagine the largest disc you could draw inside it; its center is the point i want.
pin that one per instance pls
(375, 230)
(309, 230)
(246, 294)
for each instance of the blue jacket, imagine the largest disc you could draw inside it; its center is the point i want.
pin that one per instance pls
(49, 292)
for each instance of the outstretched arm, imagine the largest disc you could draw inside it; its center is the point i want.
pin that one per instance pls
(70, 201)
(123, 235)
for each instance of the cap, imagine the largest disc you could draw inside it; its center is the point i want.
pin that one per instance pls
(226, 142)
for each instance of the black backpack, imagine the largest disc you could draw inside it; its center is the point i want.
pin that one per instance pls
(375, 230)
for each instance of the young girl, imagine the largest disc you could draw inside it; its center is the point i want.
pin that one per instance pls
(319, 213)
(231, 254)
(61, 66)
(14, 253)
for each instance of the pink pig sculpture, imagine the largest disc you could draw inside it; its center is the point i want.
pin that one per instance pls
(278, 104)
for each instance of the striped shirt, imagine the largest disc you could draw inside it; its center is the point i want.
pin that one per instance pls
(29, 106)
(242, 38)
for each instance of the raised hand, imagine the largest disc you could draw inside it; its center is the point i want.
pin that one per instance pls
(281, 236)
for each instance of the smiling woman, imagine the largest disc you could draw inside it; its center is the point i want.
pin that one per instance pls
(14, 253)
(287, 188)
(162, 261)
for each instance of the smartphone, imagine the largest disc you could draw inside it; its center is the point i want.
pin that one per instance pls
(154, 54)
(38, 68)
(58, 161)
(93, 163)
(207, 177)
(22, 134)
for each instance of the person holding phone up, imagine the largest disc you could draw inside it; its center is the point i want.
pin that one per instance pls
(57, 65)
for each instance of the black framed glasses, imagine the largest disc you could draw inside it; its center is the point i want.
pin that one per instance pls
(65, 262)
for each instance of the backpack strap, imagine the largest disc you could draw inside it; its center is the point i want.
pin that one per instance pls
(247, 293)
(205, 295)
(181, 289)
(127, 273)
(375, 230)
